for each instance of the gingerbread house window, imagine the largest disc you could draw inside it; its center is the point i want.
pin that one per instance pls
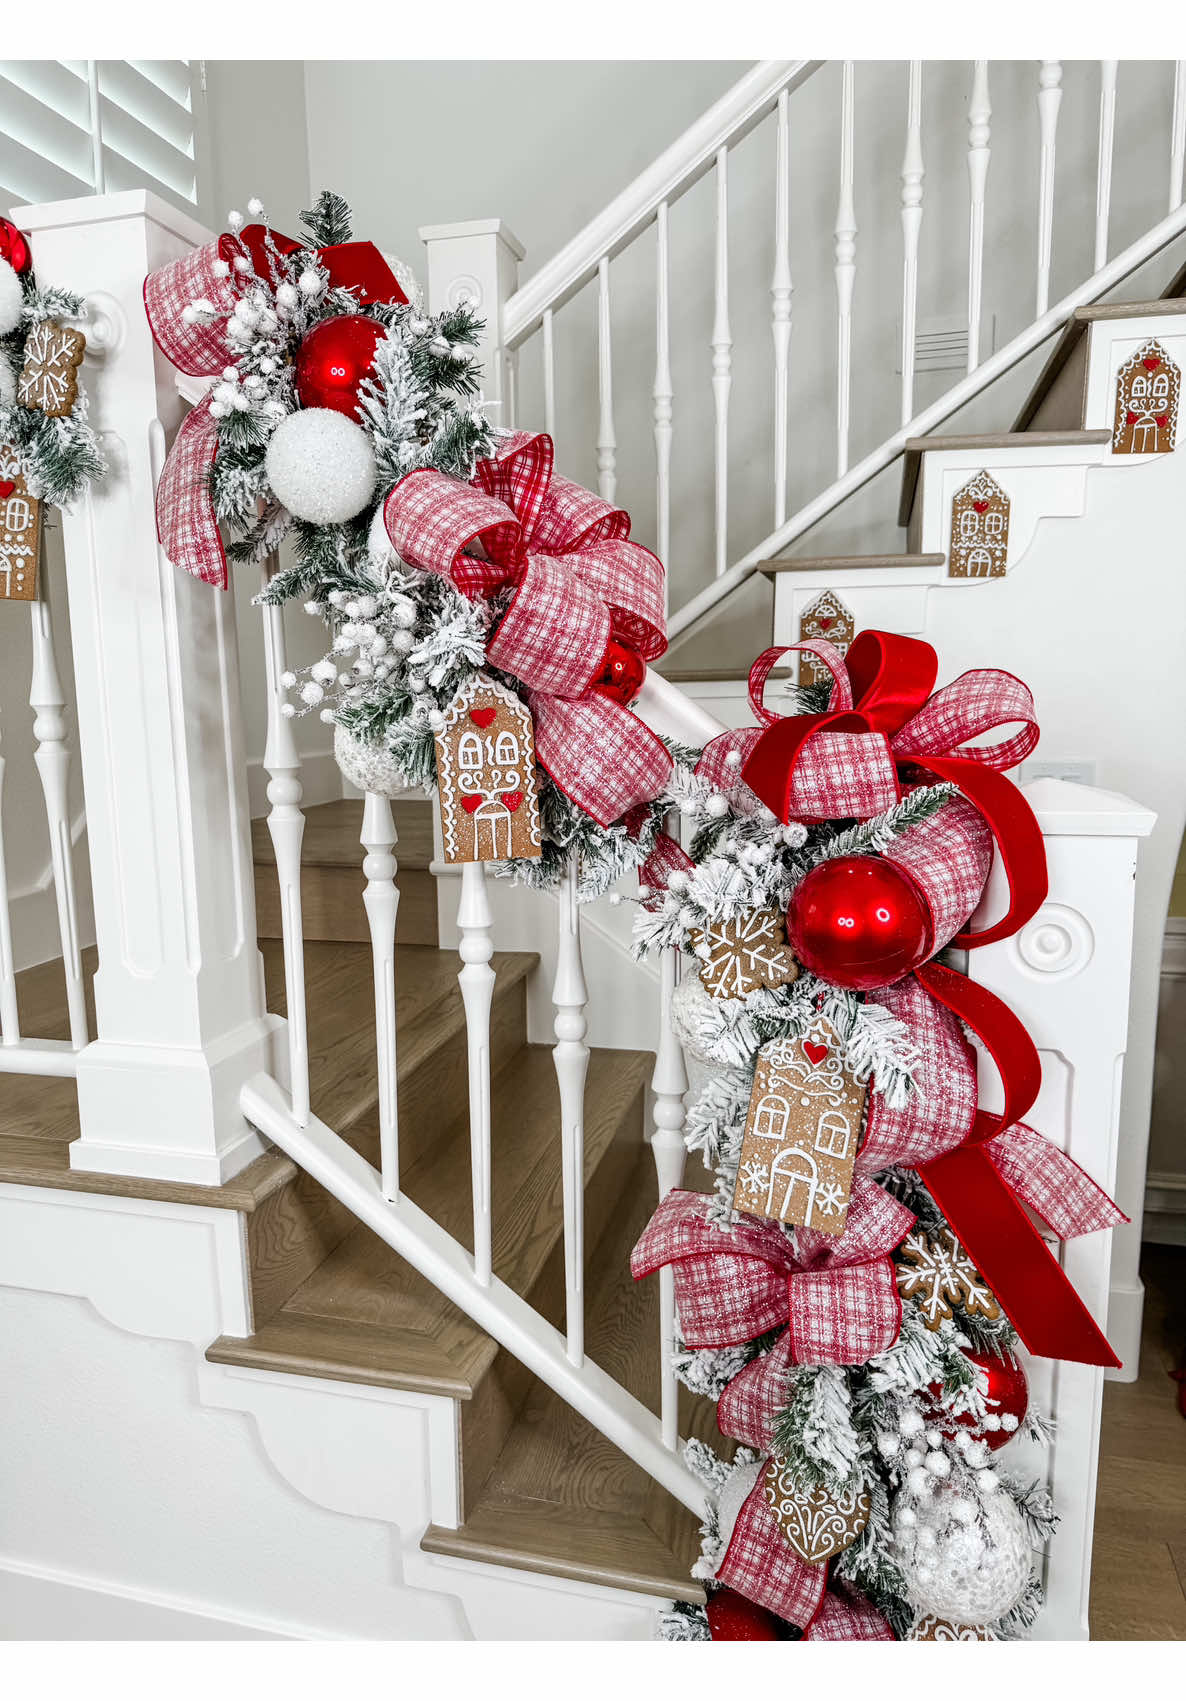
(1147, 387)
(979, 530)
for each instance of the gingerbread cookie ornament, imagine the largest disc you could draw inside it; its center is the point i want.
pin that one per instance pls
(486, 782)
(49, 377)
(20, 532)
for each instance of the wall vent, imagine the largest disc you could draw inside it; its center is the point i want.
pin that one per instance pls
(941, 345)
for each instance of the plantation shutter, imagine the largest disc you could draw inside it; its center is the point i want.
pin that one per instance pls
(86, 126)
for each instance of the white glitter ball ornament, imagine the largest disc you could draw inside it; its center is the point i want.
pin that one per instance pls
(11, 299)
(367, 766)
(320, 466)
(970, 1573)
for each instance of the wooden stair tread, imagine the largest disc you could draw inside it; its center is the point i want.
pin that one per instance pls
(1170, 303)
(839, 563)
(917, 447)
(365, 1306)
(332, 829)
(561, 1499)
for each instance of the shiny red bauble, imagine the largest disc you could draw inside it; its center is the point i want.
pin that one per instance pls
(622, 674)
(732, 1618)
(14, 247)
(859, 922)
(333, 360)
(1008, 1397)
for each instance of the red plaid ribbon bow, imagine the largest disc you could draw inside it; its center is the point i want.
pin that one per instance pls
(579, 584)
(836, 1295)
(884, 725)
(185, 520)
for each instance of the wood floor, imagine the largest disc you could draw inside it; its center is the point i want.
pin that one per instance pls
(1138, 1571)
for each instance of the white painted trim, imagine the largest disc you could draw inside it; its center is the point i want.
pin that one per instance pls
(159, 1600)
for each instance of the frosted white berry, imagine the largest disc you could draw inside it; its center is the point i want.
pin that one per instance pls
(313, 608)
(1008, 1422)
(255, 207)
(733, 759)
(887, 1444)
(235, 220)
(677, 881)
(939, 1464)
(326, 716)
(287, 710)
(288, 679)
(910, 1422)
(311, 693)
(286, 295)
(918, 1481)
(402, 642)
(717, 806)
(309, 282)
(934, 1438)
(914, 1458)
(325, 671)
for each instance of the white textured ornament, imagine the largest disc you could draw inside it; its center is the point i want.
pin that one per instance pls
(691, 1002)
(7, 382)
(320, 466)
(380, 550)
(734, 1495)
(368, 766)
(11, 299)
(967, 1573)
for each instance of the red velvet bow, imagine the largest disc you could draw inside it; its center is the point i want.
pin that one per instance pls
(579, 584)
(837, 1296)
(185, 520)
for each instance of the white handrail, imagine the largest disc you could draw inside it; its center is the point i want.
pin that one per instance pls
(492, 1305)
(957, 397)
(681, 165)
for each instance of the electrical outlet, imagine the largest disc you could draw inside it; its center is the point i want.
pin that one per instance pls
(1080, 773)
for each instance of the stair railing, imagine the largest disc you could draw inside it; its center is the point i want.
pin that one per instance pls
(768, 97)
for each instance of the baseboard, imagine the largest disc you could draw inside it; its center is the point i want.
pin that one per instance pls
(1164, 1221)
(40, 1603)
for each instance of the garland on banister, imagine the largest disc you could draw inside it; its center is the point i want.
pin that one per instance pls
(49, 452)
(855, 1292)
(484, 613)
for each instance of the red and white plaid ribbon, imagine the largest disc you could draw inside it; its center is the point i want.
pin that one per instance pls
(846, 1616)
(579, 583)
(836, 1294)
(761, 1564)
(219, 272)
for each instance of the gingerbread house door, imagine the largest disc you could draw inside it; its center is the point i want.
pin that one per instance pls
(791, 1170)
(1147, 387)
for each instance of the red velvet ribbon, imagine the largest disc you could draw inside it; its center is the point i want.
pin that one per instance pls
(351, 265)
(979, 1203)
(889, 680)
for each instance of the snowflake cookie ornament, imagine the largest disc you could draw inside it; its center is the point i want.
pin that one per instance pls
(49, 377)
(740, 956)
(936, 1273)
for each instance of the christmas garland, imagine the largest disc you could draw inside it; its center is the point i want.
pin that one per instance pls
(825, 1298)
(344, 419)
(46, 439)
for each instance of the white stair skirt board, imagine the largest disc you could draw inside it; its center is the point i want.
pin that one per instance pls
(170, 1498)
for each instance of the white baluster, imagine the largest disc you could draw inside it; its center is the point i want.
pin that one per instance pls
(662, 393)
(549, 376)
(286, 825)
(571, 1057)
(669, 1084)
(607, 443)
(1103, 183)
(845, 270)
(1049, 101)
(979, 133)
(477, 992)
(52, 756)
(912, 176)
(381, 899)
(511, 389)
(722, 361)
(10, 1027)
(1178, 135)
(780, 297)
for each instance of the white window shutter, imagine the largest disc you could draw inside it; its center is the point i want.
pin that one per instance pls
(83, 126)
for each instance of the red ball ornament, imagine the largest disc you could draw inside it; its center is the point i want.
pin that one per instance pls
(333, 360)
(859, 922)
(1008, 1397)
(14, 247)
(622, 673)
(732, 1618)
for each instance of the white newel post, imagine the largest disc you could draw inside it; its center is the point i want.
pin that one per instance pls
(179, 990)
(479, 261)
(1066, 974)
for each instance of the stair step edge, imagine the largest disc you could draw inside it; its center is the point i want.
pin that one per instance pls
(665, 1581)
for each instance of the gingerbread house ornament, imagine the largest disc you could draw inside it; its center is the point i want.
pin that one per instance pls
(20, 532)
(1147, 388)
(826, 617)
(486, 782)
(979, 530)
(801, 1133)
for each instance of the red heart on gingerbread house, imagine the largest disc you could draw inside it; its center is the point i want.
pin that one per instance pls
(482, 717)
(6, 489)
(469, 804)
(980, 507)
(512, 799)
(815, 1051)
(1151, 362)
